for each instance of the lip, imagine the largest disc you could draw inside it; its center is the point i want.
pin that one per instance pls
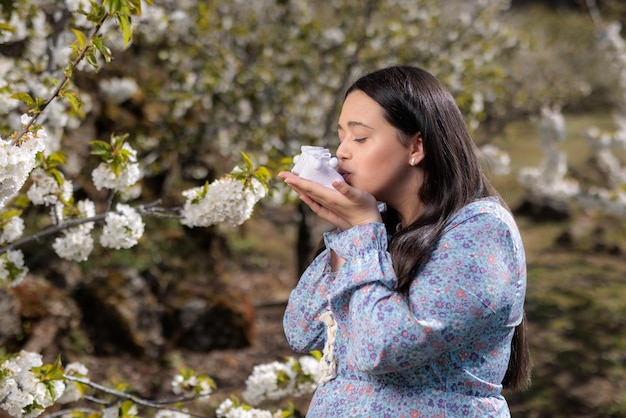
(344, 173)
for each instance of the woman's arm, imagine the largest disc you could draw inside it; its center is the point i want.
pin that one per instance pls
(471, 288)
(303, 329)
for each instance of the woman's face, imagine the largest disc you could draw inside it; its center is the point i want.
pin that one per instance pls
(371, 156)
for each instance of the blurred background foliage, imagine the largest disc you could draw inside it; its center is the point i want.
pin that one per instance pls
(265, 77)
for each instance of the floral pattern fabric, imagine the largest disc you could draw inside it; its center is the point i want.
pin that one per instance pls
(439, 350)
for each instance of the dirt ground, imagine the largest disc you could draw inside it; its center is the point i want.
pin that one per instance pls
(266, 279)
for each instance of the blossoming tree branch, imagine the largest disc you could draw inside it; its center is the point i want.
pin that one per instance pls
(28, 163)
(26, 154)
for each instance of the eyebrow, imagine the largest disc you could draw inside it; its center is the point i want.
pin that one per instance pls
(355, 123)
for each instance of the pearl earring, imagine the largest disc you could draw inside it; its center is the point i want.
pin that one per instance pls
(412, 162)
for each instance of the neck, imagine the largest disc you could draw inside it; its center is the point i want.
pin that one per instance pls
(409, 214)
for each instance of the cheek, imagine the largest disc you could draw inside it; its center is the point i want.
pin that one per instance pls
(373, 180)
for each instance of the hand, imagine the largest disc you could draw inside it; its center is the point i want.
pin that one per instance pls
(343, 207)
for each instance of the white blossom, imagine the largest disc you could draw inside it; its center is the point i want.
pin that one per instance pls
(496, 159)
(273, 381)
(111, 412)
(12, 268)
(11, 230)
(122, 228)
(73, 391)
(162, 413)
(17, 161)
(311, 372)
(76, 243)
(227, 409)
(118, 89)
(104, 177)
(45, 190)
(192, 385)
(76, 369)
(23, 393)
(227, 200)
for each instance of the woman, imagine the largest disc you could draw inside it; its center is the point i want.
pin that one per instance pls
(419, 310)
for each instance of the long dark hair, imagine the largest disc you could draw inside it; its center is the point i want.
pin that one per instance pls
(416, 102)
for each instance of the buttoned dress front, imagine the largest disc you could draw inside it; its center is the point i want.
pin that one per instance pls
(440, 349)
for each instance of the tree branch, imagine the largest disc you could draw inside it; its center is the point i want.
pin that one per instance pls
(139, 401)
(17, 140)
(150, 209)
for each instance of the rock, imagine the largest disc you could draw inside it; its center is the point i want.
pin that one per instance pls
(201, 319)
(49, 313)
(544, 209)
(121, 313)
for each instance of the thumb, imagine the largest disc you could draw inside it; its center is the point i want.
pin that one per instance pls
(355, 196)
(342, 187)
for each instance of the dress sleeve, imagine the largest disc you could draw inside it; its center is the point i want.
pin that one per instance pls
(303, 329)
(471, 287)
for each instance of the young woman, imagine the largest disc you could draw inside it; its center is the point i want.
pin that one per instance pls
(419, 310)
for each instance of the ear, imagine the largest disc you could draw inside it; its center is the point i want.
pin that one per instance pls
(417, 149)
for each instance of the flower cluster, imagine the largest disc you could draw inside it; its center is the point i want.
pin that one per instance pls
(276, 380)
(46, 190)
(11, 229)
(226, 200)
(24, 391)
(230, 409)
(12, 268)
(166, 413)
(498, 161)
(104, 176)
(74, 391)
(188, 383)
(17, 161)
(28, 387)
(76, 243)
(122, 228)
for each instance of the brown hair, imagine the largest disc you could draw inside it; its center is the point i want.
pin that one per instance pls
(414, 101)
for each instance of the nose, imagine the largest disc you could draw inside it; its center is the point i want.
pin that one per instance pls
(342, 151)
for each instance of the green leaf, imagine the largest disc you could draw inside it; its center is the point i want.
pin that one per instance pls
(125, 409)
(40, 104)
(57, 176)
(112, 6)
(104, 50)
(247, 161)
(56, 158)
(75, 101)
(6, 216)
(92, 59)
(24, 97)
(127, 29)
(80, 37)
(101, 148)
(262, 174)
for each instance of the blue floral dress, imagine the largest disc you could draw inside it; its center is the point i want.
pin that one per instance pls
(439, 350)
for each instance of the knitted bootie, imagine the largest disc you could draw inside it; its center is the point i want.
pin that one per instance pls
(316, 164)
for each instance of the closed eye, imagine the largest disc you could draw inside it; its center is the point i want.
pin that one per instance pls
(360, 139)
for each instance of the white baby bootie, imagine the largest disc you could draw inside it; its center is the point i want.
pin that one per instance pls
(316, 164)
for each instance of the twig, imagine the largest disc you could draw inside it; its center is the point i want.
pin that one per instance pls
(63, 412)
(17, 140)
(139, 401)
(53, 229)
(149, 209)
